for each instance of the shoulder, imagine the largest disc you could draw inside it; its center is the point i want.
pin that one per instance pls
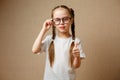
(48, 37)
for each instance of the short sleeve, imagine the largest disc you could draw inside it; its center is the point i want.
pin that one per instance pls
(45, 44)
(82, 54)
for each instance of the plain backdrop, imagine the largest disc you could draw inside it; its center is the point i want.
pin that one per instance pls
(97, 25)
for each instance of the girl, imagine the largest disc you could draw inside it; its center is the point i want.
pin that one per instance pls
(64, 51)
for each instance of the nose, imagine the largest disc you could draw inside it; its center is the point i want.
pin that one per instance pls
(61, 21)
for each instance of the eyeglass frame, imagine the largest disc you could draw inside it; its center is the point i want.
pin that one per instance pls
(68, 19)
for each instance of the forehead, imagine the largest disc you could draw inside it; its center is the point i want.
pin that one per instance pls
(60, 12)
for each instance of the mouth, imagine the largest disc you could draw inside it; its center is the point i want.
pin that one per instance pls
(62, 27)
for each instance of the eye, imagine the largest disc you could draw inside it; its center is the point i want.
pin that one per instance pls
(57, 19)
(67, 18)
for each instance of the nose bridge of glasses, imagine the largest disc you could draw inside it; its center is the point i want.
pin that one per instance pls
(62, 20)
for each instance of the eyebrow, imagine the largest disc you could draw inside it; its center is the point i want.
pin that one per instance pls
(63, 17)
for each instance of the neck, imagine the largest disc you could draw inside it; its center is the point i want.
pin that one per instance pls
(64, 35)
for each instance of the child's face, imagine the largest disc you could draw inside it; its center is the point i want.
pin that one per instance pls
(62, 20)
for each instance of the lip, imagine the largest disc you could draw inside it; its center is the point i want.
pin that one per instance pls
(62, 27)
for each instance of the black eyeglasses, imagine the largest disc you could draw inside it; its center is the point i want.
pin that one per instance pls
(65, 20)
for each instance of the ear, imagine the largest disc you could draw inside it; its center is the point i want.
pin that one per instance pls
(72, 20)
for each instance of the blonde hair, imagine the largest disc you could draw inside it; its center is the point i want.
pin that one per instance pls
(51, 47)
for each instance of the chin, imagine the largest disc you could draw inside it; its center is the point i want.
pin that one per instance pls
(62, 31)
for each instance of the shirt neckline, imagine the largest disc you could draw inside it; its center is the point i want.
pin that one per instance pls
(63, 38)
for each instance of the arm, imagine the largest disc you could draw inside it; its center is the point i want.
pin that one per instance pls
(76, 55)
(37, 44)
(76, 62)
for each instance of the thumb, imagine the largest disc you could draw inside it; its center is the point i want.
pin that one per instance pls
(76, 45)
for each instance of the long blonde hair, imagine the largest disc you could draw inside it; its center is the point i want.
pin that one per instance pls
(51, 47)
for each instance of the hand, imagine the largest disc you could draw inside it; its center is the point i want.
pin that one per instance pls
(76, 51)
(47, 24)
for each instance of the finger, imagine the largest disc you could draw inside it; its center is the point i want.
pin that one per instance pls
(49, 23)
(76, 44)
(77, 51)
(76, 47)
(76, 54)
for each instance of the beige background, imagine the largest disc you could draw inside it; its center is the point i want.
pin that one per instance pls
(97, 25)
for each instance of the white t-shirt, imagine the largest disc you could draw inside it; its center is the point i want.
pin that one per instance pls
(61, 69)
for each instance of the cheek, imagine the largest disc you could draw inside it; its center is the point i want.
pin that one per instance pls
(68, 25)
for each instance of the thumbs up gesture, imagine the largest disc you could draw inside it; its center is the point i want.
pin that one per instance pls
(76, 51)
